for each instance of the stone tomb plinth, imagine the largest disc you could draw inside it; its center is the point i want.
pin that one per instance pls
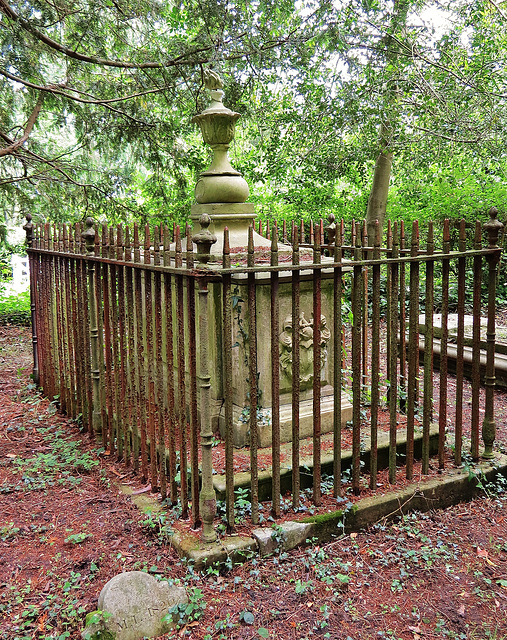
(239, 384)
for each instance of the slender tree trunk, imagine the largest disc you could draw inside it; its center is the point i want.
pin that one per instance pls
(377, 201)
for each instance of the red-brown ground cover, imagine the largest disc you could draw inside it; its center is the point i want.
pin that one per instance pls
(66, 529)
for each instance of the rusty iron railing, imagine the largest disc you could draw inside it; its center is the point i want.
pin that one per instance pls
(138, 338)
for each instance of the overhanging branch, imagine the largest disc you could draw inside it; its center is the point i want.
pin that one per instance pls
(16, 144)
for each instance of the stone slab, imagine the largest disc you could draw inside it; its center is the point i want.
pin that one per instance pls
(468, 321)
(287, 536)
(137, 603)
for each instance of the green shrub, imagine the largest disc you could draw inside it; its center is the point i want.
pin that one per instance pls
(15, 309)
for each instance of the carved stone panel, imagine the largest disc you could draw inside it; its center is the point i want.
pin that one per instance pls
(305, 329)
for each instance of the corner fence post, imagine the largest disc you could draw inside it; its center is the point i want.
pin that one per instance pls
(493, 228)
(89, 238)
(207, 498)
(28, 227)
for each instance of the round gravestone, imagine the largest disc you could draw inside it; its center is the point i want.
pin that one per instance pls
(137, 603)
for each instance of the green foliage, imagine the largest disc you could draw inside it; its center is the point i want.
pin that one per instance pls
(158, 526)
(77, 538)
(60, 604)
(62, 464)
(8, 531)
(114, 138)
(183, 613)
(15, 309)
(95, 626)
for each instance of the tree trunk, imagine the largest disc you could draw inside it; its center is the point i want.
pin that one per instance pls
(377, 201)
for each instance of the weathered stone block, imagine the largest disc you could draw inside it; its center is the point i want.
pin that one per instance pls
(137, 603)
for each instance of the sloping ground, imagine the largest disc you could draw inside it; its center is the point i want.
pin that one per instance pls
(66, 529)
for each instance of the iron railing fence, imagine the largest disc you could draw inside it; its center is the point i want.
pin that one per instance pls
(157, 348)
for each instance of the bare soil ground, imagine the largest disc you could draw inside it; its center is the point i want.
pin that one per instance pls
(66, 529)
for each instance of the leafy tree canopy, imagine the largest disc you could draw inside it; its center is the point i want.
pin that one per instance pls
(97, 97)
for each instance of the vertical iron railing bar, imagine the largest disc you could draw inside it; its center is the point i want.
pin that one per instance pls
(403, 324)
(227, 349)
(356, 362)
(83, 309)
(207, 498)
(192, 369)
(493, 228)
(317, 357)
(99, 269)
(343, 336)
(428, 352)
(389, 254)
(132, 394)
(79, 375)
(46, 360)
(54, 389)
(253, 379)
(337, 364)
(296, 276)
(182, 417)
(58, 320)
(275, 376)
(56, 309)
(375, 359)
(32, 271)
(393, 300)
(460, 343)
(364, 310)
(159, 372)
(90, 237)
(169, 344)
(108, 432)
(78, 311)
(148, 360)
(38, 276)
(115, 335)
(61, 337)
(141, 380)
(69, 327)
(444, 339)
(122, 407)
(476, 345)
(50, 294)
(413, 349)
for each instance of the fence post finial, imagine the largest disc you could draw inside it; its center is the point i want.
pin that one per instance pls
(89, 236)
(331, 229)
(28, 227)
(493, 228)
(204, 239)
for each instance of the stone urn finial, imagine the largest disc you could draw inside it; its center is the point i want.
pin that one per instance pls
(220, 182)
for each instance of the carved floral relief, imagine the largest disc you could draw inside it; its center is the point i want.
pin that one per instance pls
(306, 338)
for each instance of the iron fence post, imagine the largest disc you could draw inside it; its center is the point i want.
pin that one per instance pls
(89, 237)
(28, 227)
(493, 228)
(207, 497)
